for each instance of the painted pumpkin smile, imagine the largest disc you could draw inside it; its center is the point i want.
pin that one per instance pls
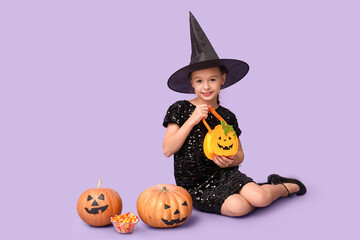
(174, 221)
(96, 210)
(225, 147)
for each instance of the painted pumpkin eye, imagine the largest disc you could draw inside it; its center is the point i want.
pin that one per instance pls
(101, 197)
(89, 198)
(184, 203)
(219, 138)
(229, 138)
(166, 206)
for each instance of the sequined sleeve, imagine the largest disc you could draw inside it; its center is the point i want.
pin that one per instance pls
(174, 114)
(235, 125)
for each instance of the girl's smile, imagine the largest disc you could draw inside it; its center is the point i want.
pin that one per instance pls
(207, 94)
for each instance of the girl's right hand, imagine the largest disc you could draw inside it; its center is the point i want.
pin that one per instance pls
(200, 112)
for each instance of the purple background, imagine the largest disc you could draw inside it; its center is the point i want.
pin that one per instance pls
(83, 94)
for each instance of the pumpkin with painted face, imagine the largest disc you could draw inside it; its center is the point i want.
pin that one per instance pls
(222, 140)
(164, 206)
(96, 205)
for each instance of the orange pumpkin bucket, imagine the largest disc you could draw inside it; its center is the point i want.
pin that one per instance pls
(222, 140)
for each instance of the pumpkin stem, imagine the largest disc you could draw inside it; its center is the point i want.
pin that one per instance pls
(164, 189)
(99, 183)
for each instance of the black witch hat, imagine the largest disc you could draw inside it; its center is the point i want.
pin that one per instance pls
(204, 56)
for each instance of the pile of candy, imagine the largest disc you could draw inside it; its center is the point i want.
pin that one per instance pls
(125, 223)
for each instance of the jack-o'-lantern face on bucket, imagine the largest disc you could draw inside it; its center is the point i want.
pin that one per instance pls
(224, 140)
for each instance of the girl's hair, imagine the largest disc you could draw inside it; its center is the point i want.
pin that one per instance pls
(222, 70)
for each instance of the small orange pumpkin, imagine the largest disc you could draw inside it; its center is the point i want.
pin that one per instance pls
(96, 205)
(164, 206)
(222, 140)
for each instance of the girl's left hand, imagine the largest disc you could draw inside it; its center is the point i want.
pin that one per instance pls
(223, 161)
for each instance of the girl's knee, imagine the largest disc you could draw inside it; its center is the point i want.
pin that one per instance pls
(236, 206)
(259, 197)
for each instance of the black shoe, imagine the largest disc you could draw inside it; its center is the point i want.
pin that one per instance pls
(277, 179)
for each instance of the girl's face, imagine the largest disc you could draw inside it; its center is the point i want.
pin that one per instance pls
(207, 83)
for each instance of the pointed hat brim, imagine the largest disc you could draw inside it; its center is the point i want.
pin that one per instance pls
(236, 70)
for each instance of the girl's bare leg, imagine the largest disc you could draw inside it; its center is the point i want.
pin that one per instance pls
(253, 195)
(236, 205)
(262, 196)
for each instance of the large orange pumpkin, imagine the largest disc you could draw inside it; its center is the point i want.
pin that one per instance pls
(222, 140)
(96, 205)
(164, 206)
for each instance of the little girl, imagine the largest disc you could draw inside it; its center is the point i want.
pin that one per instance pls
(216, 185)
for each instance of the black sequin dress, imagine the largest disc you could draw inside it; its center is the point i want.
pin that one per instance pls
(208, 184)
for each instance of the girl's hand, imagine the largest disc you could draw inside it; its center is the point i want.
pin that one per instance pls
(224, 161)
(200, 112)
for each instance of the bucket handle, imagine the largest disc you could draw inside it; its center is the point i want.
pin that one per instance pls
(216, 115)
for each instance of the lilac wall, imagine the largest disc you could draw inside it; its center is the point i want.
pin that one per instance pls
(83, 94)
